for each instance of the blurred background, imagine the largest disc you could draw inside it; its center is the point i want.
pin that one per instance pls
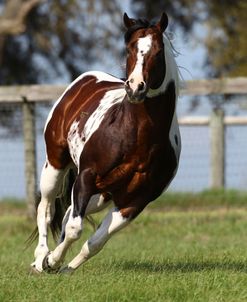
(52, 42)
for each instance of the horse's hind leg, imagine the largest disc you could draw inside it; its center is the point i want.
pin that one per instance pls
(50, 184)
(82, 191)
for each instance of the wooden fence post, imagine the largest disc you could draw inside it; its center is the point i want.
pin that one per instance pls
(28, 110)
(217, 145)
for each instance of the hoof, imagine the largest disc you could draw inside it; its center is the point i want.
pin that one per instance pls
(33, 271)
(46, 267)
(66, 270)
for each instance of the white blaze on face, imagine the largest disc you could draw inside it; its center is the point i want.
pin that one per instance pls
(143, 47)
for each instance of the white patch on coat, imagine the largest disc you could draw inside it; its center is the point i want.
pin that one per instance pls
(96, 203)
(171, 71)
(75, 142)
(174, 136)
(76, 139)
(99, 75)
(175, 140)
(136, 77)
(50, 180)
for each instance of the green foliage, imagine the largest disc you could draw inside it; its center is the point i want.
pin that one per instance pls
(61, 39)
(227, 38)
(64, 38)
(182, 13)
(224, 23)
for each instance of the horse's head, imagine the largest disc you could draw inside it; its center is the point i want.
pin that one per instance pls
(145, 67)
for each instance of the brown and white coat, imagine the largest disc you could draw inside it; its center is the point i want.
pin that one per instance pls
(122, 137)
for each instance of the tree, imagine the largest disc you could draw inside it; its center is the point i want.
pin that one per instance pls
(227, 38)
(42, 40)
(12, 24)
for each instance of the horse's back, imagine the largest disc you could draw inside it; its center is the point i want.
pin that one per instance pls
(79, 90)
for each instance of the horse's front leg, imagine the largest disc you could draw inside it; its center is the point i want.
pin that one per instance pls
(82, 191)
(49, 186)
(115, 220)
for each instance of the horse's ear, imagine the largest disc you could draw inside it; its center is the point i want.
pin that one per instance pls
(128, 22)
(162, 24)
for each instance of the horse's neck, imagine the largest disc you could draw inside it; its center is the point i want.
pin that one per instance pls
(154, 113)
(171, 72)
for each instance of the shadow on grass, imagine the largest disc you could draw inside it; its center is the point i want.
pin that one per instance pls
(183, 267)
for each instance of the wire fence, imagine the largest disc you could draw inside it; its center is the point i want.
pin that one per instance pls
(193, 173)
(194, 169)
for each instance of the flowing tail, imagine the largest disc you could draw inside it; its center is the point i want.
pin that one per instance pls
(62, 204)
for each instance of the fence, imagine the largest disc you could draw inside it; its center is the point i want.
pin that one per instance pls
(28, 97)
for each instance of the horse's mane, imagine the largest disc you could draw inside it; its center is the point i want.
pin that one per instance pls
(169, 39)
(139, 24)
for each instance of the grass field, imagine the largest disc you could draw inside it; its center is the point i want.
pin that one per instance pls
(175, 251)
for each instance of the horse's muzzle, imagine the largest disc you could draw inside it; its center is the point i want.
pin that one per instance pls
(138, 95)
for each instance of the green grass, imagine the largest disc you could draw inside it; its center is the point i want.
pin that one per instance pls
(194, 255)
(207, 199)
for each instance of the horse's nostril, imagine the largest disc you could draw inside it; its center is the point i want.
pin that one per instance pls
(141, 86)
(127, 83)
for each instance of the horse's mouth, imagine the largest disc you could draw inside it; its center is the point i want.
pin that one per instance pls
(136, 98)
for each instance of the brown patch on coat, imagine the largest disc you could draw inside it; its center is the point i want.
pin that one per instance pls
(78, 103)
(136, 160)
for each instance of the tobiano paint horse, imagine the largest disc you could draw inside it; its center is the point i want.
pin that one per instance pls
(122, 140)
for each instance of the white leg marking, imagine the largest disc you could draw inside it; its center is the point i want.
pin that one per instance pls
(49, 186)
(113, 222)
(73, 231)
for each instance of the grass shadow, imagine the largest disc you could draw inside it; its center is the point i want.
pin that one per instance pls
(183, 267)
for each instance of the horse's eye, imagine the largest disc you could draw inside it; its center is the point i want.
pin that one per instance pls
(129, 51)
